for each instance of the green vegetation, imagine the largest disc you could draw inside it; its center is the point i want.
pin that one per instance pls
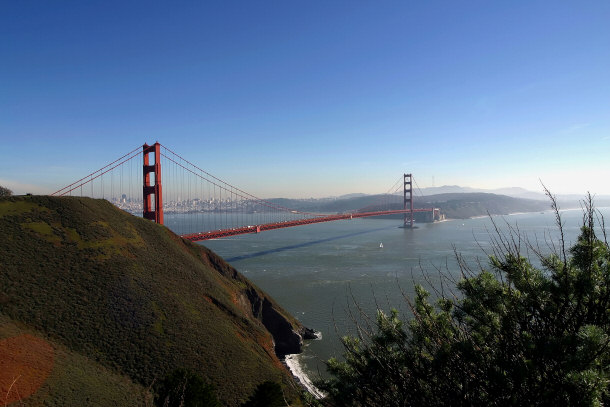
(132, 298)
(267, 394)
(183, 388)
(467, 205)
(516, 334)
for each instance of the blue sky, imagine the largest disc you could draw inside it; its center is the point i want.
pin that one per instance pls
(318, 98)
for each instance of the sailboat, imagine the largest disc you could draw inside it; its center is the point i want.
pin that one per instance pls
(381, 245)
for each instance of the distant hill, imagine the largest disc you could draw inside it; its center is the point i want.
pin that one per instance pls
(356, 201)
(565, 200)
(454, 205)
(515, 192)
(117, 302)
(355, 195)
(467, 205)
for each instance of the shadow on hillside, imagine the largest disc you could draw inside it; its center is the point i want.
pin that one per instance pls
(305, 244)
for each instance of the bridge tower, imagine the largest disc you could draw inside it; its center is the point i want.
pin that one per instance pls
(149, 212)
(408, 202)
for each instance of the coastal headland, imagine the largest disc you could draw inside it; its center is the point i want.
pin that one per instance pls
(132, 302)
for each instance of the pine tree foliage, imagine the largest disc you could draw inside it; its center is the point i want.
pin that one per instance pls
(515, 335)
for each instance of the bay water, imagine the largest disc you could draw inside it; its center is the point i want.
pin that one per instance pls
(328, 274)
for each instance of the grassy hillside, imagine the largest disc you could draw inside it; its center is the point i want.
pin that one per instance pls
(58, 377)
(131, 296)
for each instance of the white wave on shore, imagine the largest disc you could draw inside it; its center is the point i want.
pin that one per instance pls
(293, 363)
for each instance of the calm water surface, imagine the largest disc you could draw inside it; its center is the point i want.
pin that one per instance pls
(317, 271)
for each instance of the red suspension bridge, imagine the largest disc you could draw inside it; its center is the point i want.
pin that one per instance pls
(200, 206)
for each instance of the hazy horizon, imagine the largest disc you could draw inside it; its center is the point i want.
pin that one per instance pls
(523, 192)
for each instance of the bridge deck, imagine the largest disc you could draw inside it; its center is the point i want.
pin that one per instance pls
(216, 234)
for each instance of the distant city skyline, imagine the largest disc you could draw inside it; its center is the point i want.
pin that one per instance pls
(311, 100)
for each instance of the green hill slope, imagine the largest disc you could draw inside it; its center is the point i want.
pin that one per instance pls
(135, 298)
(65, 378)
(467, 205)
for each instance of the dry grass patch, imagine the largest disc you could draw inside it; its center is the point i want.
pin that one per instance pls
(25, 363)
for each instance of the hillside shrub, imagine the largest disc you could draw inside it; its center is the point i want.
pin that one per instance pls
(267, 394)
(5, 191)
(182, 388)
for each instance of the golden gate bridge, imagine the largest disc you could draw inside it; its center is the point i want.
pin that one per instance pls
(214, 208)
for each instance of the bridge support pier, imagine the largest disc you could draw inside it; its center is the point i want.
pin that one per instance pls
(149, 212)
(408, 201)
